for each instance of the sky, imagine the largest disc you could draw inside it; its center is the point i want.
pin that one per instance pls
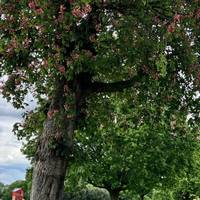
(13, 163)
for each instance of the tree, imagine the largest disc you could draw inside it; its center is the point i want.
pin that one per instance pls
(118, 153)
(188, 187)
(1, 189)
(65, 52)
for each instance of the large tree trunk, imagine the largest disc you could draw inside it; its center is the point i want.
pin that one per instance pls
(55, 145)
(54, 149)
(50, 165)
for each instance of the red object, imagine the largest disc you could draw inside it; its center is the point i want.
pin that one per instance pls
(18, 194)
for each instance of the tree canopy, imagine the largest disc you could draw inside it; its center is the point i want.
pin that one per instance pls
(75, 53)
(118, 153)
(144, 42)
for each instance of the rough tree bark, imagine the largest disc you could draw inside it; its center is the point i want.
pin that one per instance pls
(53, 152)
(49, 169)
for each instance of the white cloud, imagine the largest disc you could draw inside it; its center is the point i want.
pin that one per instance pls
(12, 162)
(11, 155)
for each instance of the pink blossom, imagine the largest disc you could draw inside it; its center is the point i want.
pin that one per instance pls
(87, 9)
(171, 28)
(45, 63)
(197, 15)
(51, 113)
(39, 11)
(62, 9)
(61, 13)
(32, 5)
(80, 12)
(76, 12)
(61, 69)
(177, 18)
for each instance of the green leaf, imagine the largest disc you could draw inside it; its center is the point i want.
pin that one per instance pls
(161, 65)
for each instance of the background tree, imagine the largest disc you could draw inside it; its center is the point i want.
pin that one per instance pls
(2, 187)
(67, 51)
(188, 187)
(121, 154)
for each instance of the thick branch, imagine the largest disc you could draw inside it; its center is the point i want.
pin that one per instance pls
(127, 6)
(115, 86)
(119, 5)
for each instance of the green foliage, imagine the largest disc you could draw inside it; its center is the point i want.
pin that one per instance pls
(148, 132)
(161, 65)
(145, 39)
(2, 187)
(38, 41)
(29, 174)
(160, 195)
(88, 194)
(30, 130)
(133, 148)
(188, 188)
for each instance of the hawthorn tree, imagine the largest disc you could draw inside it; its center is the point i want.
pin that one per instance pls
(65, 51)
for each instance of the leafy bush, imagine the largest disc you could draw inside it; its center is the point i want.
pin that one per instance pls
(88, 194)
